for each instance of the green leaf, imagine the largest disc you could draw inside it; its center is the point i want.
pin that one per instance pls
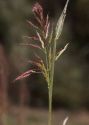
(60, 22)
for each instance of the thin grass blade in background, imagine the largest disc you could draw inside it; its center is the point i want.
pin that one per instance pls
(65, 120)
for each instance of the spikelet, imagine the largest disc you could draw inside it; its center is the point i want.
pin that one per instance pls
(61, 52)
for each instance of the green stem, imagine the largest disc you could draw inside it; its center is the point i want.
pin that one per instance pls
(50, 106)
(51, 77)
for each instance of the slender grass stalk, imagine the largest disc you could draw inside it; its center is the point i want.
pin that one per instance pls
(51, 84)
(52, 63)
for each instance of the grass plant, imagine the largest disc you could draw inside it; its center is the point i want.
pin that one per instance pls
(48, 36)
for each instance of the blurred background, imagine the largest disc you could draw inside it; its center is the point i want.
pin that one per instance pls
(26, 98)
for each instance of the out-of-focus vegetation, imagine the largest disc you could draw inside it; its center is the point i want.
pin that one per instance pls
(71, 88)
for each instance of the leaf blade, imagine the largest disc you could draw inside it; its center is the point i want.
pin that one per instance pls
(60, 22)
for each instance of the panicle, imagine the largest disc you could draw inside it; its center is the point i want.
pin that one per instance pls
(44, 22)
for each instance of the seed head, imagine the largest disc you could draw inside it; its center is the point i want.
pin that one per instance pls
(38, 10)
